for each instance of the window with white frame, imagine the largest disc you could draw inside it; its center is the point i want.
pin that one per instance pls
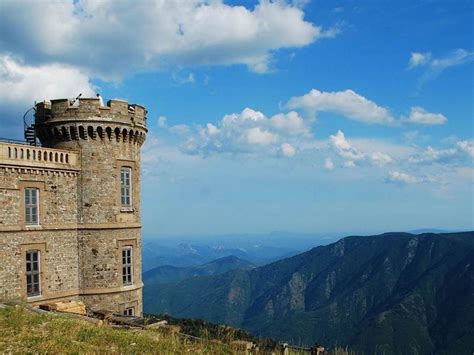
(31, 206)
(126, 187)
(127, 267)
(129, 312)
(33, 287)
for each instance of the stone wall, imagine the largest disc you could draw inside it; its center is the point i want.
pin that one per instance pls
(59, 263)
(101, 259)
(82, 224)
(57, 197)
(55, 236)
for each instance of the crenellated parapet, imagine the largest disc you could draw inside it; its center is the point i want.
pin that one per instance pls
(118, 121)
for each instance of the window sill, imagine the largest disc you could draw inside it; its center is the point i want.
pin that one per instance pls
(32, 226)
(127, 209)
(33, 298)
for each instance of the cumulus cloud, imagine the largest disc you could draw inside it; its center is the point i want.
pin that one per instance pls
(21, 85)
(346, 103)
(110, 38)
(259, 136)
(352, 155)
(249, 131)
(343, 148)
(353, 106)
(418, 115)
(291, 123)
(398, 177)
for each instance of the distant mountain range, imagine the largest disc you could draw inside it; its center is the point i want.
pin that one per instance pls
(259, 249)
(167, 273)
(396, 293)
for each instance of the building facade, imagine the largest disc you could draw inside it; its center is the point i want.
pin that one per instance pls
(70, 209)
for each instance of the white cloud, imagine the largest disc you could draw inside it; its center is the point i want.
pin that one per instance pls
(418, 115)
(162, 122)
(182, 80)
(435, 66)
(111, 38)
(288, 150)
(328, 164)
(379, 158)
(21, 85)
(259, 136)
(249, 131)
(291, 123)
(455, 58)
(467, 147)
(418, 59)
(462, 151)
(352, 155)
(344, 149)
(399, 177)
(211, 129)
(346, 103)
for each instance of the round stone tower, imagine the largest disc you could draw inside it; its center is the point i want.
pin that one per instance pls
(108, 140)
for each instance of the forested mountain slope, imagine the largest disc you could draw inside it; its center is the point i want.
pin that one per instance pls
(396, 292)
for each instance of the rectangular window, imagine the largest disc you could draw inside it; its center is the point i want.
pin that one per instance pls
(33, 273)
(126, 187)
(129, 312)
(31, 206)
(127, 268)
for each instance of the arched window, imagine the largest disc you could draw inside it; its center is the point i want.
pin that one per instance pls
(108, 130)
(72, 132)
(64, 133)
(82, 133)
(90, 132)
(100, 132)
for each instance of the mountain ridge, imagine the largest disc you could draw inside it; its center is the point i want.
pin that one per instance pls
(168, 273)
(344, 292)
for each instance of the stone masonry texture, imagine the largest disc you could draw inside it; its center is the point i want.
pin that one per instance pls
(82, 224)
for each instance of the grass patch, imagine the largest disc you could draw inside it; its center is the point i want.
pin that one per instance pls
(24, 332)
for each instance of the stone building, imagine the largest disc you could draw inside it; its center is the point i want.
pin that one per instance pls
(70, 208)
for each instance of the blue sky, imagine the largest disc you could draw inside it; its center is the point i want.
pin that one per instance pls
(307, 116)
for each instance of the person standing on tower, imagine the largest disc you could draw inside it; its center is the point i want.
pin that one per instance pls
(100, 99)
